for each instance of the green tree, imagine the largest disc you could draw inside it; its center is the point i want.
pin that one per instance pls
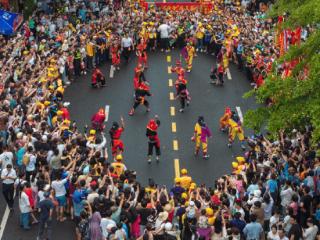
(296, 102)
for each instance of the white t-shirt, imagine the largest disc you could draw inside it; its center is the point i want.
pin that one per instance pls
(6, 173)
(126, 42)
(5, 159)
(104, 223)
(32, 163)
(272, 236)
(164, 30)
(24, 203)
(310, 233)
(59, 188)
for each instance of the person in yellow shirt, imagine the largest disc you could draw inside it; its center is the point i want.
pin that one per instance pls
(118, 166)
(185, 180)
(90, 53)
(235, 130)
(152, 36)
(191, 52)
(52, 70)
(200, 31)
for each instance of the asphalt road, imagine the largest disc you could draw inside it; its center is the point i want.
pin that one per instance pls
(207, 100)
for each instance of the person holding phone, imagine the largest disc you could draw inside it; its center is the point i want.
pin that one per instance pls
(8, 175)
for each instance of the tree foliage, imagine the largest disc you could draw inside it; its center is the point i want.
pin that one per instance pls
(296, 102)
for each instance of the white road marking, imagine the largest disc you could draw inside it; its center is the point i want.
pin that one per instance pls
(107, 109)
(239, 113)
(4, 220)
(111, 74)
(228, 74)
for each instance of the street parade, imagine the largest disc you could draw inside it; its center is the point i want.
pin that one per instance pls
(160, 120)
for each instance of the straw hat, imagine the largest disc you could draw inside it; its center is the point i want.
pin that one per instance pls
(163, 216)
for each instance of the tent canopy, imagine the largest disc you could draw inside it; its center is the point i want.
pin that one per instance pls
(9, 22)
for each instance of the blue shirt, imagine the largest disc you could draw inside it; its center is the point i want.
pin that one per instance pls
(252, 231)
(19, 154)
(238, 223)
(273, 185)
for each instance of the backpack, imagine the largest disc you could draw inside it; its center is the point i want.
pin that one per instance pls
(26, 159)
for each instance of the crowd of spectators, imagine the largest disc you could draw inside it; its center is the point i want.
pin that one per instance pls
(273, 191)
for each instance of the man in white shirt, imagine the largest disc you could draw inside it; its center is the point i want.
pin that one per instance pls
(105, 222)
(286, 194)
(164, 30)
(6, 158)
(31, 165)
(126, 46)
(60, 192)
(282, 234)
(8, 175)
(99, 145)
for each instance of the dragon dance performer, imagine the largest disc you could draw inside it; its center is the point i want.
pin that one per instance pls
(97, 120)
(138, 76)
(178, 69)
(235, 129)
(200, 137)
(142, 53)
(115, 135)
(141, 92)
(154, 142)
(97, 79)
(182, 92)
(115, 55)
(225, 119)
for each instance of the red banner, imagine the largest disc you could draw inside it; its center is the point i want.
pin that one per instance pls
(181, 6)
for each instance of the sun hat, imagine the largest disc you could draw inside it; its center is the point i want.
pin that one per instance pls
(163, 216)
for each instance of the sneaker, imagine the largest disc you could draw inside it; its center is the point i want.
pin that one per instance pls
(206, 156)
(149, 160)
(229, 145)
(181, 110)
(188, 103)
(158, 159)
(148, 109)
(131, 112)
(188, 70)
(243, 147)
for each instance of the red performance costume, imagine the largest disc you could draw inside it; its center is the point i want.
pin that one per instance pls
(115, 56)
(178, 69)
(154, 141)
(115, 134)
(97, 78)
(138, 76)
(142, 53)
(97, 120)
(141, 92)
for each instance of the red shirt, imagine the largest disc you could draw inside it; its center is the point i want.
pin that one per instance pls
(28, 191)
(117, 133)
(65, 113)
